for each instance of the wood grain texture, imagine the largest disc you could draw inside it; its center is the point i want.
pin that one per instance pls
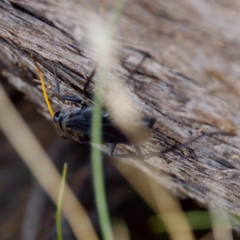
(190, 84)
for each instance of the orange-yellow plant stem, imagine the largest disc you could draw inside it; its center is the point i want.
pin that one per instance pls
(43, 88)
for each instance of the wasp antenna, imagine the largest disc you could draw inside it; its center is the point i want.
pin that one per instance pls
(43, 87)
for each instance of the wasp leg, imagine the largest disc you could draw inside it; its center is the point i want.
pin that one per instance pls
(138, 150)
(75, 99)
(69, 98)
(146, 55)
(173, 148)
(132, 155)
(89, 79)
(112, 147)
(180, 146)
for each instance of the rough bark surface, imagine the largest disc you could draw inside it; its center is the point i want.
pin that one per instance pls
(190, 84)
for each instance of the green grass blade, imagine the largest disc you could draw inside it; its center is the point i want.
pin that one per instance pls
(98, 177)
(198, 220)
(59, 205)
(96, 137)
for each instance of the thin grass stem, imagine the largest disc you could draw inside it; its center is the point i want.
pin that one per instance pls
(59, 204)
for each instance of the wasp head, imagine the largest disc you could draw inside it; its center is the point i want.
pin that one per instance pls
(59, 122)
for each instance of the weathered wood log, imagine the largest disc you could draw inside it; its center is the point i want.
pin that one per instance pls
(189, 84)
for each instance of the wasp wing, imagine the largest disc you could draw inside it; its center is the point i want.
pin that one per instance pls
(80, 120)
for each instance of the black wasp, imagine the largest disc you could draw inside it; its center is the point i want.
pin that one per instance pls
(76, 124)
